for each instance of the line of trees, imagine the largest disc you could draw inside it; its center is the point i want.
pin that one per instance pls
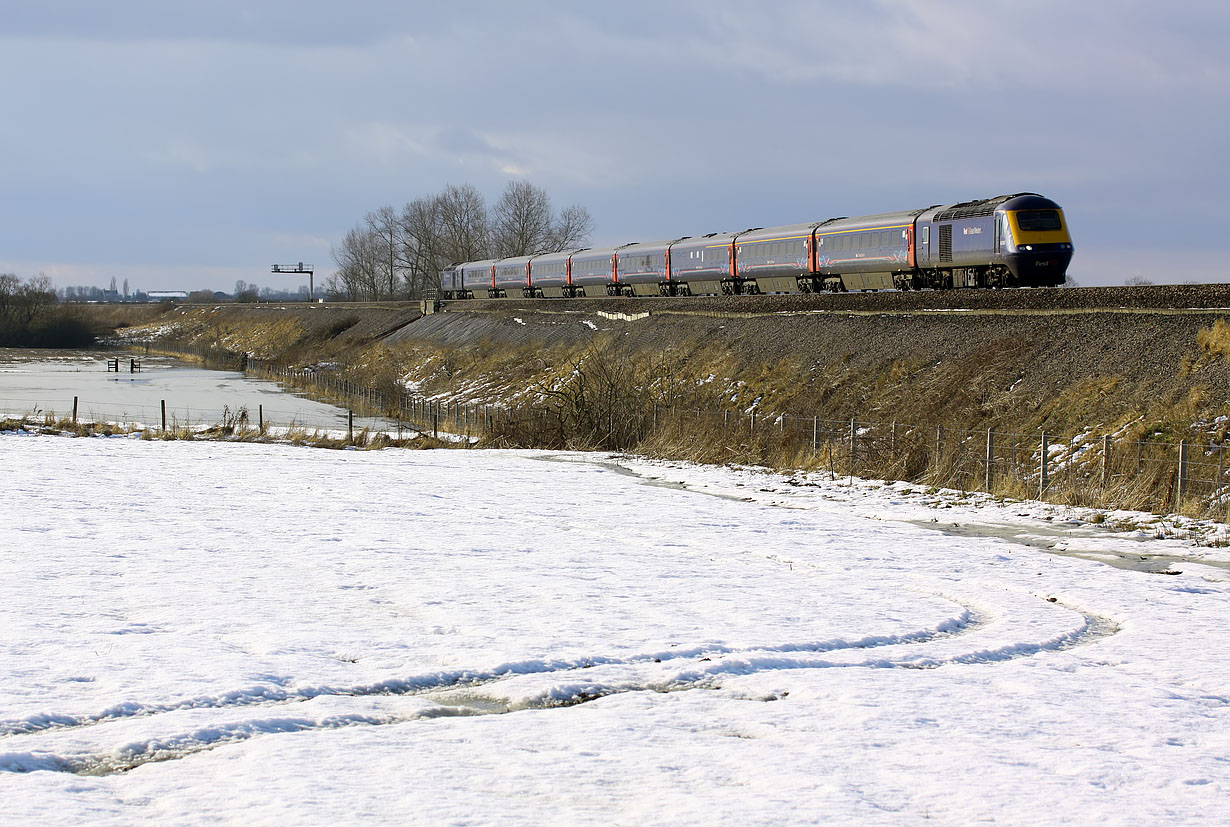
(394, 254)
(30, 315)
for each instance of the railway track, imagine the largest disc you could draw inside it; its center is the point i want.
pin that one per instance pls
(1169, 299)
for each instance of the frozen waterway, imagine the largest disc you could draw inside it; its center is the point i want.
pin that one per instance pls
(45, 381)
(261, 634)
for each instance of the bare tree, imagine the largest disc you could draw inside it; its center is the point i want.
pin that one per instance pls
(386, 233)
(358, 276)
(463, 220)
(571, 229)
(421, 227)
(521, 220)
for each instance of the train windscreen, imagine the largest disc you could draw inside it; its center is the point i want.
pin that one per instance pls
(1038, 220)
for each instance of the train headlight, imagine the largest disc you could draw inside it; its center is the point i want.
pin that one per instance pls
(1028, 247)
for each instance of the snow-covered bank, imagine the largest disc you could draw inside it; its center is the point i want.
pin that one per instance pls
(263, 634)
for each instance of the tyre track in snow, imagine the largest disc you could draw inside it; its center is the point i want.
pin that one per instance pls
(455, 696)
(969, 619)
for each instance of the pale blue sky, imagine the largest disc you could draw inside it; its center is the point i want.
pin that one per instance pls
(190, 144)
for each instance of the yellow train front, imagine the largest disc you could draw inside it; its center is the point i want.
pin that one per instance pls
(1009, 241)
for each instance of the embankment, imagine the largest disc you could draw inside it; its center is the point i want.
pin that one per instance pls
(1154, 368)
(1009, 369)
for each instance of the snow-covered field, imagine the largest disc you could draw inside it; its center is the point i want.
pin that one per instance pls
(265, 634)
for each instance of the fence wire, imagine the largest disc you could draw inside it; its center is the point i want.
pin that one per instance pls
(1085, 469)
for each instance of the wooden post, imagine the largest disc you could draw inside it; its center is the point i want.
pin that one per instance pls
(853, 437)
(435, 420)
(939, 447)
(1105, 460)
(1217, 490)
(815, 434)
(74, 410)
(1182, 471)
(260, 418)
(164, 416)
(752, 425)
(1043, 481)
(990, 458)
(892, 441)
(350, 425)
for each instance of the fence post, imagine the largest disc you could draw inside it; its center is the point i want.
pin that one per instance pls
(990, 458)
(260, 418)
(75, 411)
(1182, 472)
(892, 441)
(350, 425)
(1043, 482)
(815, 429)
(853, 437)
(435, 420)
(1220, 471)
(1105, 460)
(164, 416)
(939, 447)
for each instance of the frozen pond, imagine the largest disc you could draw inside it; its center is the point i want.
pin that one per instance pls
(45, 381)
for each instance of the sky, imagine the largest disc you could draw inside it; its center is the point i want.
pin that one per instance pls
(183, 145)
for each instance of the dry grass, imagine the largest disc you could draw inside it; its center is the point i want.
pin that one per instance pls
(1215, 341)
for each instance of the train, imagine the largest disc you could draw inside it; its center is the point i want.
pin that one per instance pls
(1018, 240)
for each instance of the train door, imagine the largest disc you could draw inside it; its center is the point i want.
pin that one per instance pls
(923, 246)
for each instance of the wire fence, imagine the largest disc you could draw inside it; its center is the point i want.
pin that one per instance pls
(166, 416)
(1102, 470)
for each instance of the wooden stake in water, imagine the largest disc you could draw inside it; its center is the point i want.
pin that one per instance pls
(164, 415)
(1043, 481)
(74, 410)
